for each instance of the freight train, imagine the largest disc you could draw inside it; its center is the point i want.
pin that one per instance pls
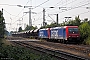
(63, 34)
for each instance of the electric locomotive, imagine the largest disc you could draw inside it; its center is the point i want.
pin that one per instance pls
(63, 34)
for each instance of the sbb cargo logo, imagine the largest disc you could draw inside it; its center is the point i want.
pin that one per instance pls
(54, 33)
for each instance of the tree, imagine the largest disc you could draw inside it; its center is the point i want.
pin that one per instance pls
(50, 26)
(2, 25)
(30, 27)
(20, 29)
(86, 20)
(89, 22)
(6, 33)
(77, 21)
(84, 30)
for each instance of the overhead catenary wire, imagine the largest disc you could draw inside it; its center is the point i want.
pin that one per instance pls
(41, 4)
(81, 13)
(20, 13)
(63, 5)
(74, 4)
(59, 12)
(77, 6)
(38, 18)
(38, 6)
(22, 9)
(70, 3)
(8, 13)
(78, 14)
(48, 7)
(58, 3)
(19, 18)
(8, 5)
(68, 10)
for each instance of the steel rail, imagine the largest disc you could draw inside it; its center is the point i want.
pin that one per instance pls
(55, 53)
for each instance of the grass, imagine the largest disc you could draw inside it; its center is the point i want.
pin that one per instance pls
(87, 41)
(6, 42)
(7, 51)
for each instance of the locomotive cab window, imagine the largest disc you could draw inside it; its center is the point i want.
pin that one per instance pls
(73, 30)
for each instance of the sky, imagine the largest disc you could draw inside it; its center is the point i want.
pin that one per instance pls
(16, 17)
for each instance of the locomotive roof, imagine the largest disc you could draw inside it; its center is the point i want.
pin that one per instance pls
(44, 29)
(70, 26)
(62, 27)
(57, 27)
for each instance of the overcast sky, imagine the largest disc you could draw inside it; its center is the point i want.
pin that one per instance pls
(15, 15)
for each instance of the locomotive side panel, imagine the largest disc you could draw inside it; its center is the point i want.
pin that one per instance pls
(54, 33)
(62, 33)
(58, 33)
(43, 33)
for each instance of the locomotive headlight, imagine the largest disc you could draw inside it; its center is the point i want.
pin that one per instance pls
(69, 36)
(77, 36)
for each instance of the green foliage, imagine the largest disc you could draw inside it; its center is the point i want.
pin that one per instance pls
(2, 25)
(89, 22)
(87, 41)
(20, 53)
(85, 20)
(84, 30)
(50, 26)
(6, 33)
(30, 37)
(77, 21)
(20, 29)
(30, 28)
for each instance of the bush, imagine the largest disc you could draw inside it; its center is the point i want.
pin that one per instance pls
(87, 41)
(9, 52)
(84, 30)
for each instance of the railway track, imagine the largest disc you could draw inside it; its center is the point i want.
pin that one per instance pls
(78, 48)
(55, 53)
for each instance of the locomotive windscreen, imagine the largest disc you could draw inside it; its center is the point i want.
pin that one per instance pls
(73, 30)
